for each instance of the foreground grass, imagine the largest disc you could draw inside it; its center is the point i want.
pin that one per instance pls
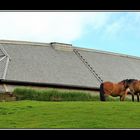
(39, 114)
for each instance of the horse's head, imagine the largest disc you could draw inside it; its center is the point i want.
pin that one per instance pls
(127, 82)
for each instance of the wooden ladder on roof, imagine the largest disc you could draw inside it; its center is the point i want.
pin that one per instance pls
(92, 70)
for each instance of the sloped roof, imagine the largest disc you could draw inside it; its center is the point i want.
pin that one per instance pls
(45, 63)
(113, 67)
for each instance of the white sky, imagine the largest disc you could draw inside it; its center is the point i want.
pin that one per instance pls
(48, 26)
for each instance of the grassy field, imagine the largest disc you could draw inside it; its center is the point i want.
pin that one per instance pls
(72, 114)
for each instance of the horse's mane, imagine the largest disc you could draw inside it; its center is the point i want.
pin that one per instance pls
(128, 81)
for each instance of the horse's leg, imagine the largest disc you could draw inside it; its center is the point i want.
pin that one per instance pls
(120, 97)
(138, 97)
(124, 95)
(132, 97)
(132, 94)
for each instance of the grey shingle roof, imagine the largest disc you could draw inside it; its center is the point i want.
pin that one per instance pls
(113, 67)
(2, 66)
(1, 53)
(42, 63)
(2, 63)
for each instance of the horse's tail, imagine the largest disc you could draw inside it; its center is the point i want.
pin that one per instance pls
(102, 96)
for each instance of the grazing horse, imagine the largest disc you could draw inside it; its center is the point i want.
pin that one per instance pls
(114, 89)
(134, 88)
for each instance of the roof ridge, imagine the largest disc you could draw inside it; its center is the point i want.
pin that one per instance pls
(107, 52)
(79, 48)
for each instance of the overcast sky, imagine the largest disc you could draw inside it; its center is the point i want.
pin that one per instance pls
(110, 31)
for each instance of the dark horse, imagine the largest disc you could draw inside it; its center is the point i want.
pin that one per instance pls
(134, 88)
(114, 89)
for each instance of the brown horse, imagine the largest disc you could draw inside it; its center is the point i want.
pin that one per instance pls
(134, 88)
(114, 89)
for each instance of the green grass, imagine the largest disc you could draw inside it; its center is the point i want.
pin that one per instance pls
(58, 95)
(96, 114)
(52, 95)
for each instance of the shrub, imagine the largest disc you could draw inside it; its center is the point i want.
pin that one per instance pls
(57, 95)
(52, 95)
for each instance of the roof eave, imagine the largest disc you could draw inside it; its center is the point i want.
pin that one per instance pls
(53, 85)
